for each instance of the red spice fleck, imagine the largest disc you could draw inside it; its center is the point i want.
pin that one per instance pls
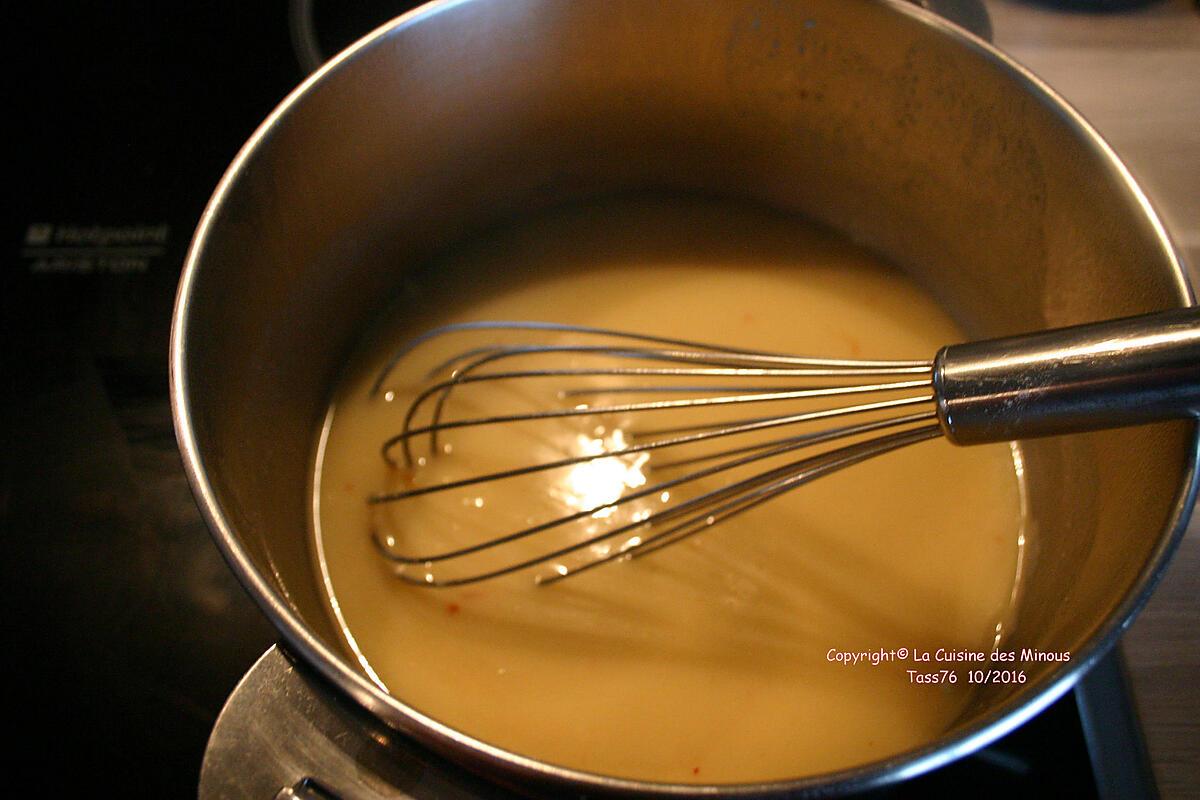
(747, 317)
(349, 487)
(453, 608)
(695, 770)
(405, 475)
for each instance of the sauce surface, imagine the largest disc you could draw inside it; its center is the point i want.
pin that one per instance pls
(708, 662)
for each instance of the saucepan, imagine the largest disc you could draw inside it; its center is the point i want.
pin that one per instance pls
(878, 119)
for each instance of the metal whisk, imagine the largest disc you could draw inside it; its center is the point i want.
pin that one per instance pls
(718, 458)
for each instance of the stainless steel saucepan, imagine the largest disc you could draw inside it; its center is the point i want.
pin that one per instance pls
(876, 118)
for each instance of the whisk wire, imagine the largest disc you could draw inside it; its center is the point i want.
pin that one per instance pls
(746, 494)
(849, 456)
(767, 450)
(585, 330)
(717, 362)
(624, 370)
(708, 435)
(626, 408)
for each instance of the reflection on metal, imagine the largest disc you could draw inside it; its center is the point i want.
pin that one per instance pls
(281, 725)
(264, 746)
(1113, 734)
(307, 789)
(1087, 377)
(969, 14)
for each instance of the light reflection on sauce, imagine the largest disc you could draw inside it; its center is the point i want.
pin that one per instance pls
(704, 663)
(597, 483)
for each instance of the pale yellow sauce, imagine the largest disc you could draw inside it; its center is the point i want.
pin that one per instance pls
(708, 661)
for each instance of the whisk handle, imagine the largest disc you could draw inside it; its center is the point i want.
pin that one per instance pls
(1086, 377)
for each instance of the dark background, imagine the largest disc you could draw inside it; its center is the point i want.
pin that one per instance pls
(125, 629)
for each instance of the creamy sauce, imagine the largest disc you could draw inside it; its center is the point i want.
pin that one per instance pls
(707, 662)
